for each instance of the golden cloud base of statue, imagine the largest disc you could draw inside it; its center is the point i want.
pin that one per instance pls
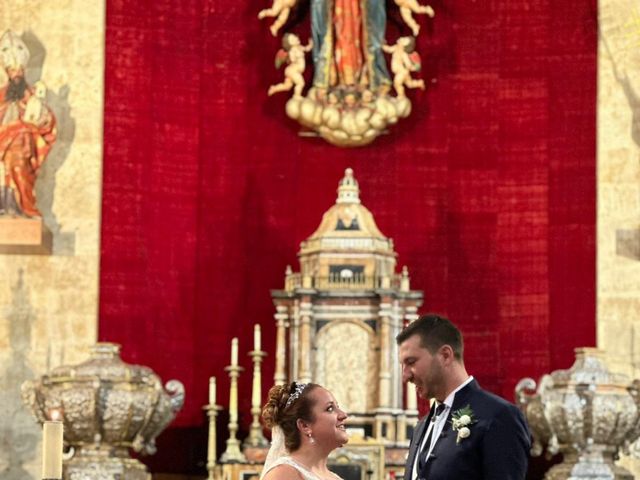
(352, 125)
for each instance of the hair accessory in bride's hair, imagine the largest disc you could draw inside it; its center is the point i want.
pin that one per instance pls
(296, 393)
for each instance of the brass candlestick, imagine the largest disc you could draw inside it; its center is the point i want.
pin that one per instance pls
(256, 437)
(212, 412)
(233, 454)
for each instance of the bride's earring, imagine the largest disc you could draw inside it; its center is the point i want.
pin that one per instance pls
(311, 439)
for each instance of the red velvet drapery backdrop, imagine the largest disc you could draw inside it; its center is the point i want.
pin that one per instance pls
(488, 189)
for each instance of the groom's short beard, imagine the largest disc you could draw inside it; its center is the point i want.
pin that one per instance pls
(16, 88)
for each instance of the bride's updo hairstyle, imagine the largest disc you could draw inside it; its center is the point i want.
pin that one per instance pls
(286, 404)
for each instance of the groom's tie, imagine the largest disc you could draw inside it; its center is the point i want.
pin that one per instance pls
(422, 457)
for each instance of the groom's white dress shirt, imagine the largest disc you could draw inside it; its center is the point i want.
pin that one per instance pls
(437, 426)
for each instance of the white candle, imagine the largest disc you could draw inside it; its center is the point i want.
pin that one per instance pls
(256, 337)
(234, 352)
(212, 391)
(52, 450)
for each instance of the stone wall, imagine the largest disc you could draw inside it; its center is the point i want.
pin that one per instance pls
(48, 303)
(618, 283)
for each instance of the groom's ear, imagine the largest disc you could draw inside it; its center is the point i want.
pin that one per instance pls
(447, 354)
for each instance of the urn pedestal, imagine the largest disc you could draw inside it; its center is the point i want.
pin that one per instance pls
(107, 407)
(104, 463)
(587, 413)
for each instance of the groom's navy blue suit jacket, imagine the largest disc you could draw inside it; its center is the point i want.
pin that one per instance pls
(497, 449)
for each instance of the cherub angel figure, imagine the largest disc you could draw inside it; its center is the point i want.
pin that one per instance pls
(404, 60)
(292, 52)
(279, 9)
(407, 8)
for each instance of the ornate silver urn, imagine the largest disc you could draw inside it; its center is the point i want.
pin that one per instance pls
(586, 413)
(107, 407)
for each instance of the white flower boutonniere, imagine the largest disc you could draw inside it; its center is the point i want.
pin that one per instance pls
(461, 421)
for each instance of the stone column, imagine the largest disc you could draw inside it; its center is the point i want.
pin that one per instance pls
(281, 317)
(294, 342)
(412, 401)
(305, 340)
(384, 375)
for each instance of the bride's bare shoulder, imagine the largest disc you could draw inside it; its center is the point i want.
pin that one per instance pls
(283, 472)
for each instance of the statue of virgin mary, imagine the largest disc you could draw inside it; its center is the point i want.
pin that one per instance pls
(350, 101)
(348, 36)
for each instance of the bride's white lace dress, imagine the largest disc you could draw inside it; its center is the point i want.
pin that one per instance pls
(306, 474)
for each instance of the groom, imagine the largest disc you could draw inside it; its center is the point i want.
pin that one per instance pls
(469, 432)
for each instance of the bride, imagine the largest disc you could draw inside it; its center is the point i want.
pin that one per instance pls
(306, 425)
